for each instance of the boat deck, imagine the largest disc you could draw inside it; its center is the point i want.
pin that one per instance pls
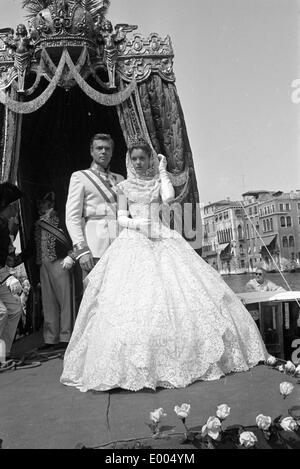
(38, 412)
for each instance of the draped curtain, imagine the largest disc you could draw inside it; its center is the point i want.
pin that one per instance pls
(2, 131)
(9, 136)
(155, 112)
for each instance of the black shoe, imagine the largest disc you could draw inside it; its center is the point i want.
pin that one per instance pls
(46, 348)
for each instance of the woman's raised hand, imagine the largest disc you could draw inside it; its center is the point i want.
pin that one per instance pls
(162, 162)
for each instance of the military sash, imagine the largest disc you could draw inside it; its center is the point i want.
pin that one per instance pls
(103, 187)
(54, 231)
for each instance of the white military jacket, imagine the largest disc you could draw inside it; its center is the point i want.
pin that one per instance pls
(91, 211)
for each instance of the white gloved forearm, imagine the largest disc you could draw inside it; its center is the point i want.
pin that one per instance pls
(126, 222)
(167, 189)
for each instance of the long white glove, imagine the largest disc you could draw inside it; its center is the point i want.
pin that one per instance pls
(126, 222)
(142, 224)
(14, 285)
(167, 189)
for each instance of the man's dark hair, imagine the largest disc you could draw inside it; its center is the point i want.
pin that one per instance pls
(105, 137)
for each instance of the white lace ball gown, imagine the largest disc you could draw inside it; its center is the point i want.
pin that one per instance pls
(155, 314)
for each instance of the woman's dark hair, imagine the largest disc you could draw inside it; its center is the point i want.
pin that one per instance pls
(140, 145)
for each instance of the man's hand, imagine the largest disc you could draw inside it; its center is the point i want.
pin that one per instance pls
(67, 263)
(86, 262)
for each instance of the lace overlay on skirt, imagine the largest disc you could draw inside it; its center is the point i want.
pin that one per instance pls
(154, 314)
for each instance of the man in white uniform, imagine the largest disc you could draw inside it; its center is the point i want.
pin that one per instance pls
(91, 209)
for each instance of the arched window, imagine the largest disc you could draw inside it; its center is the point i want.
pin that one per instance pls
(268, 225)
(291, 242)
(288, 221)
(240, 232)
(264, 223)
(271, 224)
(284, 242)
(282, 222)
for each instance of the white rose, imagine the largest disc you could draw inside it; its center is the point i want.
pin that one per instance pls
(281, 368)
(182, 411)
(247, 439)
(223, 411)
(289, 424)
(263, 422)
(297, 370)
(286, 388)
(271, 360)
(290, 367)
(212, 428)
(157, 414)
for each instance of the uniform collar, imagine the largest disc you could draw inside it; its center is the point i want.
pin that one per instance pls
(103, 172)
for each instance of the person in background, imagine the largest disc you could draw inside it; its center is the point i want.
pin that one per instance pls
(51, 247)
(10, 306)
(261, 283)
(54, 256)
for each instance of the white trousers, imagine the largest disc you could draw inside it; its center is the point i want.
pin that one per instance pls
(10, 313)
(56, 300)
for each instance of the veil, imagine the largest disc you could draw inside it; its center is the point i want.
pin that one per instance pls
(142, 189)
(152, 171)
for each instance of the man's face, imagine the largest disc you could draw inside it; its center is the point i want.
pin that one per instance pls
(101, 152)
(260, 276)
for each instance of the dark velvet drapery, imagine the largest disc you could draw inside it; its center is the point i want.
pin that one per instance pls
(55, 142)
(2, 130)
(167, 130)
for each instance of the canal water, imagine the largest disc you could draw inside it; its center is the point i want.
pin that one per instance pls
(237, 282)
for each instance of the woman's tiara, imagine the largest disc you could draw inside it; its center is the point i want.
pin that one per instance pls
(137, 140)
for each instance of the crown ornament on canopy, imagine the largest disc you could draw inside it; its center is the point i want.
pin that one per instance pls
(80, 28)
(58, 22)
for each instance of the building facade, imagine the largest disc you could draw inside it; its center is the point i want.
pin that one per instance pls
(263, 228)
(224, 243)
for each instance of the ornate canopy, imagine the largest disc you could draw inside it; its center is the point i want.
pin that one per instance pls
(81, 28)
(70, 45)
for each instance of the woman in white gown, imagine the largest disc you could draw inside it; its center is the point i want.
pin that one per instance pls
(154, 313)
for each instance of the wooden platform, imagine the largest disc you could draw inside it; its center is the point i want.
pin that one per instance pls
(38, 412)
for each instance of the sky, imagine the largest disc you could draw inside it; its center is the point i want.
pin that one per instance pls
(235, 61)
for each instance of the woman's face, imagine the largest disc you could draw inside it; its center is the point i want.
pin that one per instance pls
(140, 161)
